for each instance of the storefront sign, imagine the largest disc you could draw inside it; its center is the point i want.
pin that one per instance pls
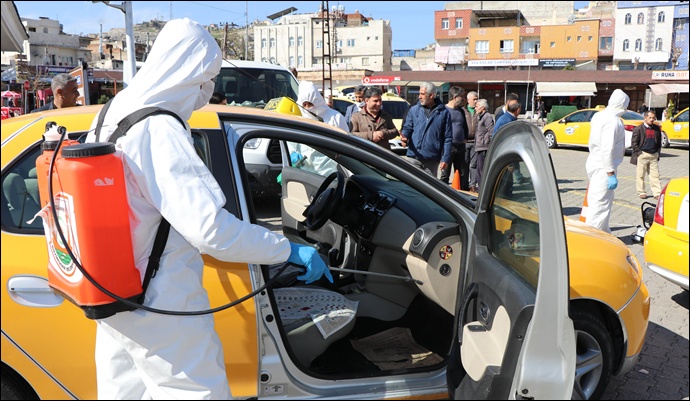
(503, 63)
(670, 75)
(379, 80)
(556, 62)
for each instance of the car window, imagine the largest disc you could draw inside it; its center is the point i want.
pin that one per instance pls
(631, 115)
(580, 117)
(394, 108)
(515, 224)
(682, 117)
(307, 158)
(20, 193)
(254, 87)
(341, 105)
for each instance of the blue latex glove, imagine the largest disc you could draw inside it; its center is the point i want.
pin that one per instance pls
(613, 182)
(295, 157)
(308, 257)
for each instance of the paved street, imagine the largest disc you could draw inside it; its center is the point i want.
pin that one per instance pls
(662, 370)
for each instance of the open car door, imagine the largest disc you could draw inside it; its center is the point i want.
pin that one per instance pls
(515, 339)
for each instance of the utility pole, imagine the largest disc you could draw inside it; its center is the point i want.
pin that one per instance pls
(130, 67)
(246, 30)
(326, 38)
(225, 39)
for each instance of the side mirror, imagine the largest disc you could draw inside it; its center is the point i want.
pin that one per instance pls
(563, 121)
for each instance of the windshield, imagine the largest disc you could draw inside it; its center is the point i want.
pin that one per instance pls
(631, 115)
(254, 87)
(395, 108)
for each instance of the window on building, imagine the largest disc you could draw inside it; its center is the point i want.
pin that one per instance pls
(481, 46)
(365, 60)
(445, 24)
(272, 42)
(605, 43)
(300, 41)
(273, 60)
(628, 19)
(45, 30)
(569, 39)
(319, 44)
(376, 38)
(661, 17)
(264, 59)
(316, 60)
(638, 45)
(32, 29)
(553, 44)
(626, 45)
(679, 24)
(507, 46)
(579, 38)
(291, 41)
(458, 23)
(263, 43)
(659, 45)
(589, 38)
(640, 19)
(292, 61)
(350, 43)
(300, 61)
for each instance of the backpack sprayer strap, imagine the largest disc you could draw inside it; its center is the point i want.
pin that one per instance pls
(164, 227)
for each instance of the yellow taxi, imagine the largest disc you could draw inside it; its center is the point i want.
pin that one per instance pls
(573, 129)
(675, 130)
(466, 286)
(666, 240)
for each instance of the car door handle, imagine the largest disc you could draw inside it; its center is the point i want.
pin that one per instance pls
(471, 293)
(484, 312)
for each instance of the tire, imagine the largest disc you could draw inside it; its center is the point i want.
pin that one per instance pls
(550, 140)
(664, 140)
(594, 361)
(14, 387)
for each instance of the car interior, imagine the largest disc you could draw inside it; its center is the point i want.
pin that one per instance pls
(390, 307)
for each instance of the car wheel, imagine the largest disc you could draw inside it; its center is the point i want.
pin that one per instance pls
(14, 387)
(550, 140)
(594, 361)
(664, 140)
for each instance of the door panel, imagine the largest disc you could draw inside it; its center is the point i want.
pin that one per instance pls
(515, 337)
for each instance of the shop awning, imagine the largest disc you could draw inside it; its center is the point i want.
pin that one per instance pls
(566, 88)
(663, 89)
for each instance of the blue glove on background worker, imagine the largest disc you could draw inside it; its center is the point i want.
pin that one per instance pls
(612, 182)
(308, 257)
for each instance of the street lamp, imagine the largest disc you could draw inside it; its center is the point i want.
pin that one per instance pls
(529, 56)
(130, 67)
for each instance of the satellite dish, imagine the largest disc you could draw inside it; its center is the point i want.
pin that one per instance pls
(571, 18)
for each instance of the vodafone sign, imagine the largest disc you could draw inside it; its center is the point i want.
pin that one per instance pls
(379, 80)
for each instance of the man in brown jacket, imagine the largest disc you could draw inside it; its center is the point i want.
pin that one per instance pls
(646, 145)
(371, 122)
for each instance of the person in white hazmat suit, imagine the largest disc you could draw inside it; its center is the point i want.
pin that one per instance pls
(606, 152)
(140, 354)
(313, 106)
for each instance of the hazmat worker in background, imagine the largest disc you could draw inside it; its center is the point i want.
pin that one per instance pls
(310, 99)
(606, 151)
(140, 354)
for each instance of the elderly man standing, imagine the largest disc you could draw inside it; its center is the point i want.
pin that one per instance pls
(428, 131)
(371, 122)
(606, 151)
(468, 176)
(65, 93)
(485, 126)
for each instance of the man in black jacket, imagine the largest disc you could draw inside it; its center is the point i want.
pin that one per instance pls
(646, 144)
(65, 93)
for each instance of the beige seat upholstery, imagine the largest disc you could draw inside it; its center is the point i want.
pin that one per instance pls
(313, 319)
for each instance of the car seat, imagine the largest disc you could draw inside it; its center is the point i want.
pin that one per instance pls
(20, 203)
(313, 319)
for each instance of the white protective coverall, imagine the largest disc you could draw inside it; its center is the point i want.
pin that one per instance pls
(140, 354)
(606, 152)
(315, 160)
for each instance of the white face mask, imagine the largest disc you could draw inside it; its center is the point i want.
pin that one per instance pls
(360, 104)
(204, 95)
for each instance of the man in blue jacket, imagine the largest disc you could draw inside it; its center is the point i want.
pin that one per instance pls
(428, 131)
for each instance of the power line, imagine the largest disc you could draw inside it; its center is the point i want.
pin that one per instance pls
(216, 8)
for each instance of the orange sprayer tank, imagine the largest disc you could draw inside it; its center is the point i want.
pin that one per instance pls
(91, 203)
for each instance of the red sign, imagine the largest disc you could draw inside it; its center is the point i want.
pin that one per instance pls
(379, 80)
(26, 85)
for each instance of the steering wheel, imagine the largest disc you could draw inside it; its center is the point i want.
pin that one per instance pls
(326, 201)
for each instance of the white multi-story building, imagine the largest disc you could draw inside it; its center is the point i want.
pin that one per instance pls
(356, 42)
(48, 45)
(644, 35)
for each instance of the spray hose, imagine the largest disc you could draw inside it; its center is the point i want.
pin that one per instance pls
(270, 282)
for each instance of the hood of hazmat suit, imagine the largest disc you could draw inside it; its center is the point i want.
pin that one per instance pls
(607, 134)
(180, 357)
(309, 93)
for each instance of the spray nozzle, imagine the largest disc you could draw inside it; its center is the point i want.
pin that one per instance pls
(54, 132)
(49, 125)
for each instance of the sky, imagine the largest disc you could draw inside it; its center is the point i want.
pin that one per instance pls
(412, 22)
